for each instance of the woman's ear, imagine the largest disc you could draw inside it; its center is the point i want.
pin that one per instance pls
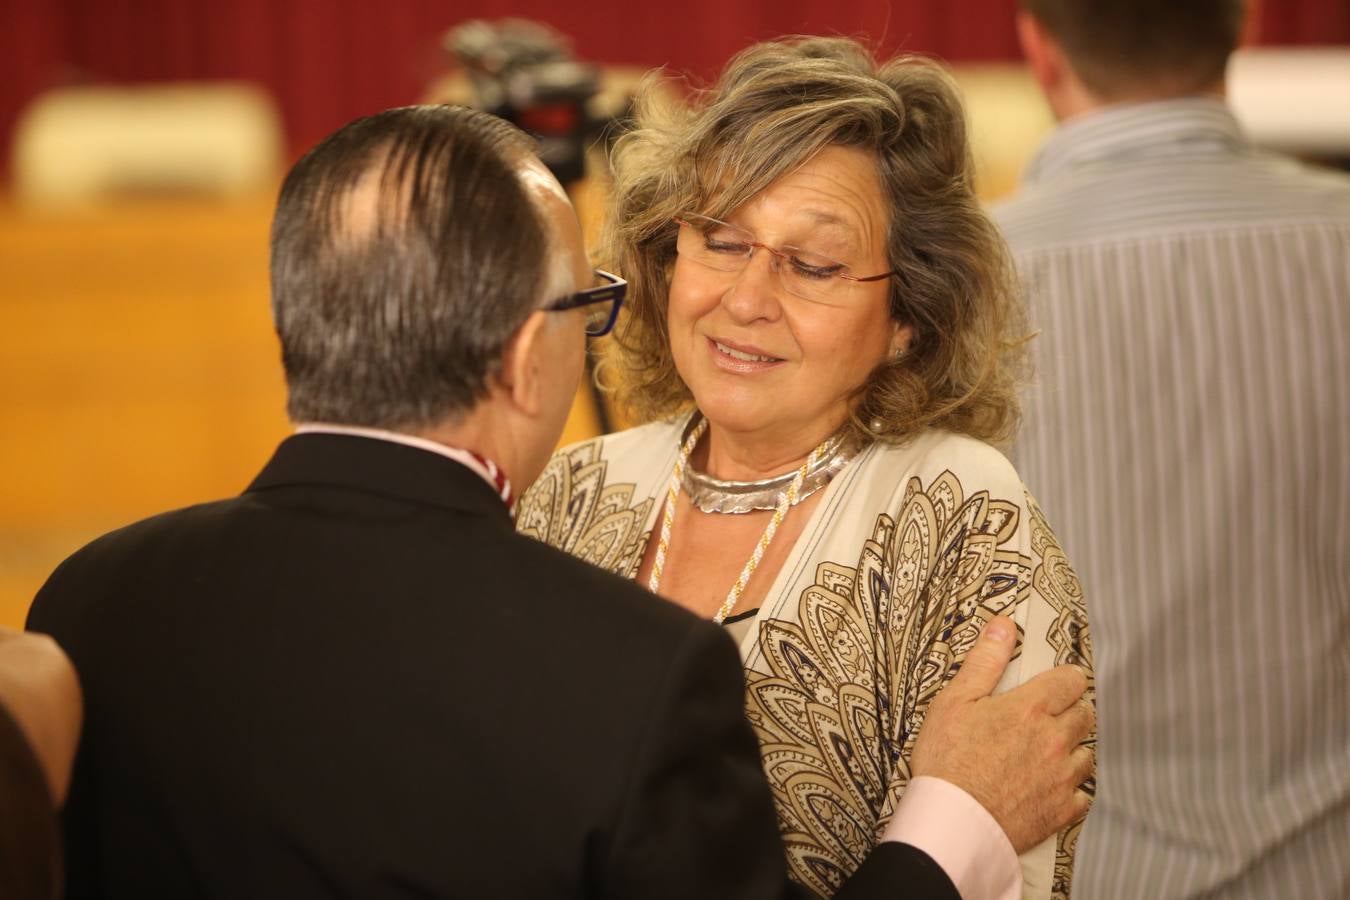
(522, 367)
(901, 339)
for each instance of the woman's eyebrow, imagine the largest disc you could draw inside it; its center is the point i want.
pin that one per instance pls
(834, 222)
(833, 232)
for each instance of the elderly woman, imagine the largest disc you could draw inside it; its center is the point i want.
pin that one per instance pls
(823, 332)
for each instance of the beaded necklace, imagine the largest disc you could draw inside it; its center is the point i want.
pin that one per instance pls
(788, 500)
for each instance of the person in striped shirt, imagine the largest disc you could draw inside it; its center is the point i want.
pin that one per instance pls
(1190, 436)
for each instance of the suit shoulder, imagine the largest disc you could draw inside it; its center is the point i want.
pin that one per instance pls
(175, 521)
(628, 442)
(588, 590)
(100, 559)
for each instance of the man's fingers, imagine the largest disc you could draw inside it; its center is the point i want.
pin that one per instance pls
(984, 664)
(1059, 688)
(1071, 809)
(1082, 802)
(1084, 763)
(1077, 721)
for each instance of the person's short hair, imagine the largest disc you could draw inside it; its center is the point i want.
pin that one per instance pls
(405, 252)
(776, 106)
(1121, 48)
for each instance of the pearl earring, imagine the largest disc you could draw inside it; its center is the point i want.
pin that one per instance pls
(876, 426)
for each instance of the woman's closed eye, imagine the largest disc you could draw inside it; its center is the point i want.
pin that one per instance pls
(722, 245)
(814, 269)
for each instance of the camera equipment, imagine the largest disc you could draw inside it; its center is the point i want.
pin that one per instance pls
(524, 72)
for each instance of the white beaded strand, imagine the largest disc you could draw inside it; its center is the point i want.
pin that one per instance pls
(788, 500)
(672, 492)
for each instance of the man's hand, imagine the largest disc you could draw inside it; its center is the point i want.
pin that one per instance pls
(39, 688)
(1017, 753)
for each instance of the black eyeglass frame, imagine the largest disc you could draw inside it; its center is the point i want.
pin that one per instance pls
(614, 290)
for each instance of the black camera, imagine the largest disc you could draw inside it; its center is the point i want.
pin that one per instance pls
(524, 72)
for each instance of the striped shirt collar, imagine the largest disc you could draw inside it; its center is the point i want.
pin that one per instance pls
(1164, 128)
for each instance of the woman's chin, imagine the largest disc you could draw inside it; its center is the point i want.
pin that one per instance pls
(747, 419)
(735, 413)
(763, 419)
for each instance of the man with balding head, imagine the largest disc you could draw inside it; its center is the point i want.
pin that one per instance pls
(1189, 436)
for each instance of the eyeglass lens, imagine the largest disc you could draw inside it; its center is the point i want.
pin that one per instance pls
(598, 316)
(726, 248)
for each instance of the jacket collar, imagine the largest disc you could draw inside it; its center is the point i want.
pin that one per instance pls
(1168, 128)
(379, 467)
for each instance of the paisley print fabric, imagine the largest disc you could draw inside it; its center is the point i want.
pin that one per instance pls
(571, 507)
(912, 550)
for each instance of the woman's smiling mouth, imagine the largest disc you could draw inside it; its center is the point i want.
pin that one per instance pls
(746, 356)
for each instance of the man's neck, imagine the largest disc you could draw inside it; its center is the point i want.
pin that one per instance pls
(1074, 100)
(472, 432)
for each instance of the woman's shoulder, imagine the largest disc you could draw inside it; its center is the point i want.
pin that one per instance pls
(629, 443)
(937, 453)
(585, 482)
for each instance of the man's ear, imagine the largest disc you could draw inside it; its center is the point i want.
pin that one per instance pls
(522, 369)
(1044, 56)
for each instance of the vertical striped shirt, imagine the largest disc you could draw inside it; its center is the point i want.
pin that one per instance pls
(1189, 435)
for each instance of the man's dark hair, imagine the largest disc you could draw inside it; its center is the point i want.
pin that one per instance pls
(1122, 48)
(405, 252)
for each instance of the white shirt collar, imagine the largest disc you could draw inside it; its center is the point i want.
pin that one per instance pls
(483, 467)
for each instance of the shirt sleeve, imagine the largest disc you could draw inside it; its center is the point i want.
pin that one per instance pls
(961, 836)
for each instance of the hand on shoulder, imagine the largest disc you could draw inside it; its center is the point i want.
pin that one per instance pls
(1017, 753)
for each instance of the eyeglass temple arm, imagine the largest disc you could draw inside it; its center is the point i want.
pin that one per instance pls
(869, 277)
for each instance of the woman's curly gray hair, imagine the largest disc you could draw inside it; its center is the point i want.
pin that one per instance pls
(775, 106)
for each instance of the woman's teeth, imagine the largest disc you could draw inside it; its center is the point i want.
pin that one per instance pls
(748, 357)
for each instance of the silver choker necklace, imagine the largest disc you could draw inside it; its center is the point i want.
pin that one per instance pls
(712, 495)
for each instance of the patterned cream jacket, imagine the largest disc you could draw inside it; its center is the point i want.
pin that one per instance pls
(911, 550)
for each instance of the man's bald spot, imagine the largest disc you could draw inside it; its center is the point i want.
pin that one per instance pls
(555, 212)
(376, 206)
(376, 202)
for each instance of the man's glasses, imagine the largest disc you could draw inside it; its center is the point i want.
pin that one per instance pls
(803, 273)
(602, 302)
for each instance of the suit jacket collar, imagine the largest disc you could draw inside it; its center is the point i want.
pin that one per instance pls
(379, 467)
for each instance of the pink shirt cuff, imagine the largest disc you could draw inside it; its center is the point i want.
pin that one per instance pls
(952, 827)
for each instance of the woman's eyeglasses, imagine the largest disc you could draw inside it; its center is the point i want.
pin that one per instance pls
(602, 302)
(803, 273)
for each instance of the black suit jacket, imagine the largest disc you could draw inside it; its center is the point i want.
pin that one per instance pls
(356, 680)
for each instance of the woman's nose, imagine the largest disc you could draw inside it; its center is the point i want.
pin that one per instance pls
(755, 292)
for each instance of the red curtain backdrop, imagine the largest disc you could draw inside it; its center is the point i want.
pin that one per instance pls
(328, 61)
